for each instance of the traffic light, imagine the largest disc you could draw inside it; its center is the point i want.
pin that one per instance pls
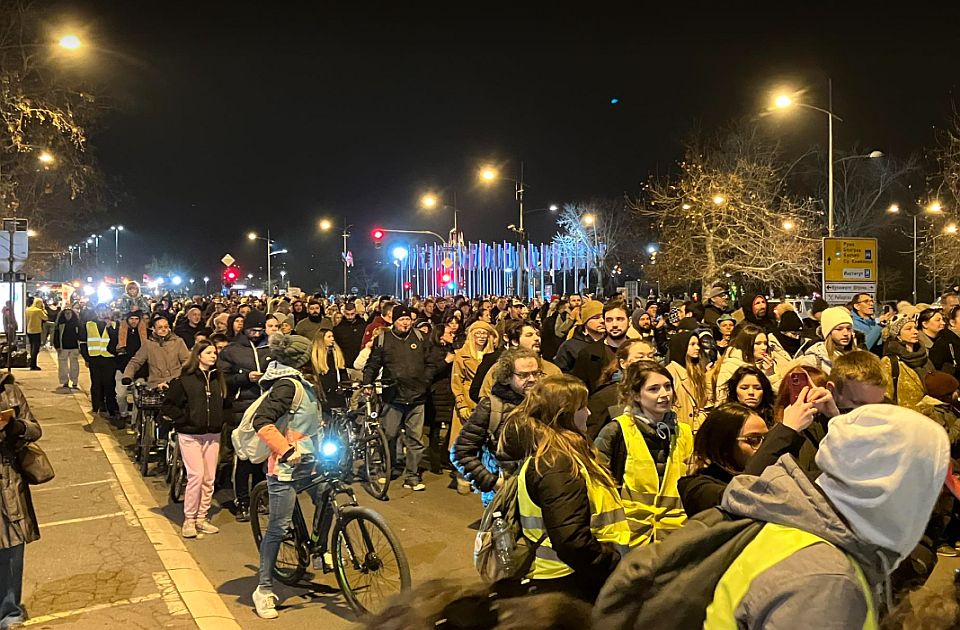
(377, 235)
(230, 275)
(407, 285)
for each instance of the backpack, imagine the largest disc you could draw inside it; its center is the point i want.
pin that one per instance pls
(246, 443)
(484, 554)
(671, 584)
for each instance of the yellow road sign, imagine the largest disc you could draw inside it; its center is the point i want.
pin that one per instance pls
(851, 260)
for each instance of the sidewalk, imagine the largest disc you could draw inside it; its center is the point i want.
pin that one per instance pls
(107, 557)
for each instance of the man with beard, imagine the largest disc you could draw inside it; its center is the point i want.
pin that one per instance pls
(518, 334)
(643, 324)
(349, 333)
(567, 318)
(313, 322)
(756, 311)
(717, 300)
(597, 355)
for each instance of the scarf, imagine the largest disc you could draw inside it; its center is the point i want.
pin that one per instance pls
(917, 360)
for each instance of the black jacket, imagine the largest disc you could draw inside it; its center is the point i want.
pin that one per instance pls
(613, 448)
(66, 334)
(133, 346)
(945, 353)
(476, 433)
(406, 374)
(549, 341)
(570, 349)
(600, 404)
(187, 332)
(703, 489)
(237, 360)
(486, 364)
(590, 363)
(781, 440)
(441, 403)
(195, 403)
(348, 336)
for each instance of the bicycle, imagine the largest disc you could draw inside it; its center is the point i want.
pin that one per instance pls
(176, 470)
(367, 444)
(148, 426)
(367, 557)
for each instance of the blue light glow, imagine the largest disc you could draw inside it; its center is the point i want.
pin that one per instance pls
(329, 449)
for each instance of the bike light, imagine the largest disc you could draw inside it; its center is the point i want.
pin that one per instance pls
(329, 449)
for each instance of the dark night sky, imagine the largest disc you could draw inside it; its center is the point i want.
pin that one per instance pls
(238, 116)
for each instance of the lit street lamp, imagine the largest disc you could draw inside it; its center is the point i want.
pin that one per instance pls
(271, 252)
(326, 225)
(116, 244)
(489, 174)
(430, 201)
(206, 284)
(933, 208)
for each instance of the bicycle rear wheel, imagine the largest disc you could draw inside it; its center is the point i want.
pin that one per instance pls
(146, 440)
(376, 464)
(370, 563)
(178, 474)
(293, 556)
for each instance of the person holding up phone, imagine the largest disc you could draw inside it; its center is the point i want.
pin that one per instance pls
(18, 525)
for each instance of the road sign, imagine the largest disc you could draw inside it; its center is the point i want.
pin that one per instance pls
(228, 260)
(849, 268)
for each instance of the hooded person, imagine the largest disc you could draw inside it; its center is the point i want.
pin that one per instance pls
(812, 323)
(690, 398)
(788, 342)
(799, 553)
(756, 310)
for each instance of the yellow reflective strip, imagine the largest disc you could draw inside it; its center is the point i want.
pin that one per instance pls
(547, 553)
(608, 518)
(531, 522)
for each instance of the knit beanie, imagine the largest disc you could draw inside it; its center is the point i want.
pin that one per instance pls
(401, 311)
(819, 306)
(883, 468)
(833, 317)
(290, 350)
(941, 385)
(254, 319)
(790, 322)
(589, 310)
(892, 331)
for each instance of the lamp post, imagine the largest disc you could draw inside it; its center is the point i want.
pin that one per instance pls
(271, 252)
(325, 226)
(206, 285)
(591, 221)
(933, 208)
(116, 244)
(431, 201)
(489, 174)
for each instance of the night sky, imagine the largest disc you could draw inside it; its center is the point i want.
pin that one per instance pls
(238, 116)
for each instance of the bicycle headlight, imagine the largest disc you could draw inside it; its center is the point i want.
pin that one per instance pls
(329, 448)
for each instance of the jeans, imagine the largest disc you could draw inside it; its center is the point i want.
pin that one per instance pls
(34, 339)
(121, 391)
(410, 416)
(11, 585)
(200, 454)
(68, 366)
(283, 496)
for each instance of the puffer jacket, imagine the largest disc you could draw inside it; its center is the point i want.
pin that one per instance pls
(195, 403)
(570, 348)
(237, 360)
(20, 524)
(466, 453)
(164, 356)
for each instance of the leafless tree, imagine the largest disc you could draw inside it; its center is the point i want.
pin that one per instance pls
(728, 212)
(864, 188)
(597, 229)
(939, 238)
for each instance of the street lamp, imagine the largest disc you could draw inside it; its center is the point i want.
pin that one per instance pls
(489, 174)
(271, 252)
(788, 225)
(46, 158)
(206, 284)
(719, 200)
(70, 42)
(116, 244)
(283, 276)
(934, 208)
(589, 219)
(430, 201)
(326, 225)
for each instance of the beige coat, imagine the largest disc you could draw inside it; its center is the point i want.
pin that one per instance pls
(689, 410)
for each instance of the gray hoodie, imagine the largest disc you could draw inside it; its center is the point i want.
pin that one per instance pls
(816, 587)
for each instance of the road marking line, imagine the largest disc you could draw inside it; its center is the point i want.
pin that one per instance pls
(169, 593)
(81, 520)
(122, 501)
(44, 425)
(72, 485)
(94, 608)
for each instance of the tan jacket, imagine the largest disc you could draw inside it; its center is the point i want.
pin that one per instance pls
(465, 366)
(164, 359)
(689, 410)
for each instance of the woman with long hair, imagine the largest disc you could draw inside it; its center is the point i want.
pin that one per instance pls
(604, 403)
(329, 368)
(836, 326)
(647, 450)
(727, 439)
(689, 379)
(566, 498)
(482, 339)
(749, 386)
(749, 347)
(195, 403)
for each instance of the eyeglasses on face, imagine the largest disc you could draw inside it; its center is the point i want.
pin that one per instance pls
(754, 440)
(523, 376)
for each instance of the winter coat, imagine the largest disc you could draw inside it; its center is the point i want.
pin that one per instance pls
(133, 346)
(195, 403)
(406, 375)
(441, 400)
(604, 405)
(187, 332)
(870, 328)
(732, 361)
(816, 356)
(465, 366)
(591, 361)
(299, 430)
(569, 349)
(910, 391)
(66, 334)
(703, 489)
(35, 316)
(378, 322)
(20, 524)
(945, 354)
(685, 404)
(549, 342)
(165, 356)
(237, 360)
(479, 379)
(613, 448)
(349, 336)
(468, 447)
(308, 328)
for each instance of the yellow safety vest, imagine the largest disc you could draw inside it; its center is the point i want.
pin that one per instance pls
(97, 341)
(652, 504)
(773, 544)
(607, 522)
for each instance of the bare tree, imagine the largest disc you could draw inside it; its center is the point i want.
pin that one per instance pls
(598, 229)
(863, 189)
(728, 212)
(939, 239)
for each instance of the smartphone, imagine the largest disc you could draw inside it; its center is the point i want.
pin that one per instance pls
(797, 381)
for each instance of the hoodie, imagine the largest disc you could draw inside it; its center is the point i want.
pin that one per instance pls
(768, 322)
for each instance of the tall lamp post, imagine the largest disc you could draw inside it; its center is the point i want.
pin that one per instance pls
(325, 226)
(431, 201)
(271, 252)
(933, 208)
(591, 221)
(116, 244)
(489, 174)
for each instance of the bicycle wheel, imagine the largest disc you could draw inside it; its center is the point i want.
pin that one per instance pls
(178, 474)
(146, 441)
(376, 463)
(138, 430)
(370, 563)
(293, 556)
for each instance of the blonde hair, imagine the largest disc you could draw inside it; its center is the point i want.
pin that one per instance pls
(318, 354)
(546, 415)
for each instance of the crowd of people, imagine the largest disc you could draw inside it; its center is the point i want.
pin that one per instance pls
(791, 466)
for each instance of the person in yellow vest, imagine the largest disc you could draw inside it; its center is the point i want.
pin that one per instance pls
(812, 554)
(35, 315)
(94, 337)
(566, 498)
(647, 452)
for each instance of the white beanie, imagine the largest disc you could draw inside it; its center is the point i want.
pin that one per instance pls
(884, 467)
(833, 317)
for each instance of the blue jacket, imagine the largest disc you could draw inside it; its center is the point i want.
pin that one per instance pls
(869, 327)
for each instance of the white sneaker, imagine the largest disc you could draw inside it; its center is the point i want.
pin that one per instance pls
(266, 604)
(206, 527)
(189, 529)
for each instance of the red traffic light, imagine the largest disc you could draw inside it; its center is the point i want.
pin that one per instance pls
(230, 275)
(407, 285)
(445, 278)
(377, 234)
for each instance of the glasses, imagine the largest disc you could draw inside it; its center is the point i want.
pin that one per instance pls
(867, 301)
(524, 376)
(754, 440)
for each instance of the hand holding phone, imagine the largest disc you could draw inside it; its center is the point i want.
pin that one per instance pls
(797, 380)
